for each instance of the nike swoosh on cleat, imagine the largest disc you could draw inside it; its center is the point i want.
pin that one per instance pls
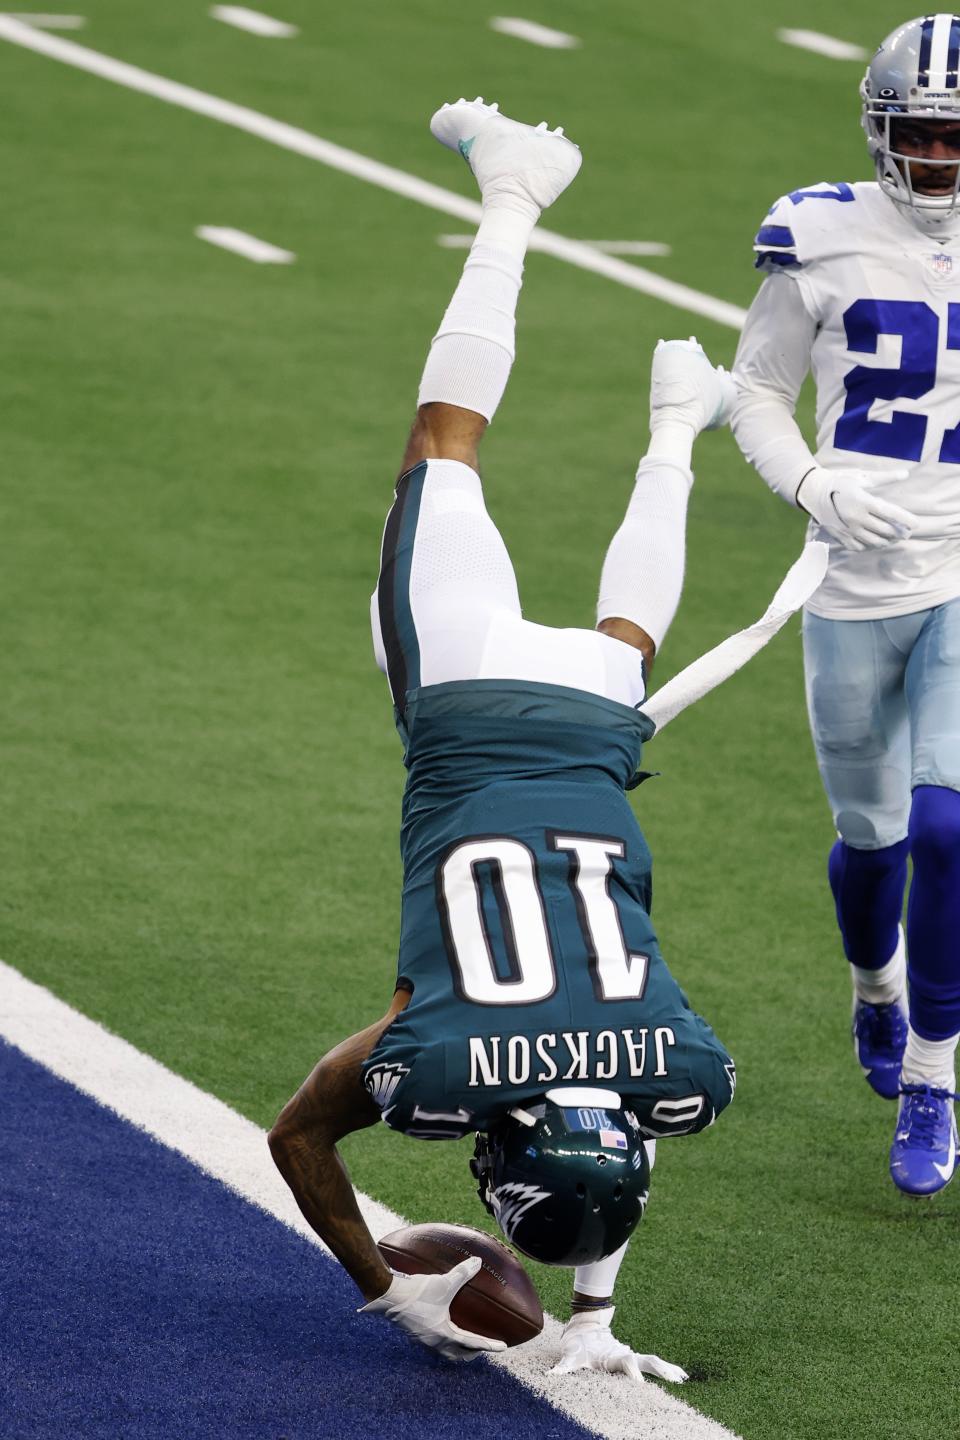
(945, 1171)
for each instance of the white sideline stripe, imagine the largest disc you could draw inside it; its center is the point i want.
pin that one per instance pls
(606, 247)
(301, 142)
(822, 44)
(234, 1150)
(50, 22)
(535, 34)
(253, 21)
(261, 252)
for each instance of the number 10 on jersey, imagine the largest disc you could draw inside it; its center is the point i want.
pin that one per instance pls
(488, 886)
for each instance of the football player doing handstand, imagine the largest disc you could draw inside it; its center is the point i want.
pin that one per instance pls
(532, 1005)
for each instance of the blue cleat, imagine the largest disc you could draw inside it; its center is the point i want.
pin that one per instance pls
(879, 1040)
(923, 1155)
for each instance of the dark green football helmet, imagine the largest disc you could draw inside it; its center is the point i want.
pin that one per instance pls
(567, 1177)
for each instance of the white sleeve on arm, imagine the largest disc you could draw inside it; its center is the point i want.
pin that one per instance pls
(773, 358)
(642, 573)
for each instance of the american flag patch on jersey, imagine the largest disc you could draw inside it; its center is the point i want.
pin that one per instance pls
(613, 1139)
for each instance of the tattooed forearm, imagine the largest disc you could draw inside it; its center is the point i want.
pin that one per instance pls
(332, 1103)
(321, 1187)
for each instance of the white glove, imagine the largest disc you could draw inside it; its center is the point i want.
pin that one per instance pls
(588, 1343)
(420, 1305)
(843, 502)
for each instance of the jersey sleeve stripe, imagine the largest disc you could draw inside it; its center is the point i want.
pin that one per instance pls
(776, 260)
(776, 248)
(775, 236)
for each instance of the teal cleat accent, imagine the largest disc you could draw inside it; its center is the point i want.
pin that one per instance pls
(526, 167)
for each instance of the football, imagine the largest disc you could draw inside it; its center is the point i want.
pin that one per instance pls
(499, 1302)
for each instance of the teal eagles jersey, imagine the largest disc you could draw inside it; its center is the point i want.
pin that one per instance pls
(525, 933)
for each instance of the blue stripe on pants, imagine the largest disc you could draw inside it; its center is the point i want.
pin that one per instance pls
(393, 588)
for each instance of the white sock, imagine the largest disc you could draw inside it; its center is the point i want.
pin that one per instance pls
(929, 1062)
(643, 571)
(472, 352)
(672, 442)
(883, 986)
(507, 223)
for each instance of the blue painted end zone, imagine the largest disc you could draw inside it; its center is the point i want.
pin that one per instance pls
(140, 1298)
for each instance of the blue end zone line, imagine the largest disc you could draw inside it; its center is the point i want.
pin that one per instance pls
(233, 1150)
(301, 142)
(143, 1300)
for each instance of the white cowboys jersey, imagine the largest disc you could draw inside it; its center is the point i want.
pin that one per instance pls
(882, 303)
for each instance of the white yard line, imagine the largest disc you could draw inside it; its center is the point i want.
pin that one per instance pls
(606, 247)
(634, 277)
(261, 252)
(234, 1150)
(822, 44)
(535, 34)
(630, 247)
(254, 22)
(301, 142)
(50, 22)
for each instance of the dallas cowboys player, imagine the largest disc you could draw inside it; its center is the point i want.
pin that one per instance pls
(863, 285)
(527, 960)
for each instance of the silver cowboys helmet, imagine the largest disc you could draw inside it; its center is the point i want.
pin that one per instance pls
(915, 73)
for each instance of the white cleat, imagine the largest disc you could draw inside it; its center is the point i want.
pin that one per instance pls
(509, 159)
(685, 387)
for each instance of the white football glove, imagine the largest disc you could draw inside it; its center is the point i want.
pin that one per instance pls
(420, 1305)
(588, 1343)
(844, 503)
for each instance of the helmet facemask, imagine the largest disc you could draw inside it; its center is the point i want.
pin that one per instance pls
(895, 176)
(913, 82)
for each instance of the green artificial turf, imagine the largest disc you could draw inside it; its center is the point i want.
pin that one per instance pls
(200, 780)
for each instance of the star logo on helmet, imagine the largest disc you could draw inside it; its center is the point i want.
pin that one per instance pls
(512, 1200)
